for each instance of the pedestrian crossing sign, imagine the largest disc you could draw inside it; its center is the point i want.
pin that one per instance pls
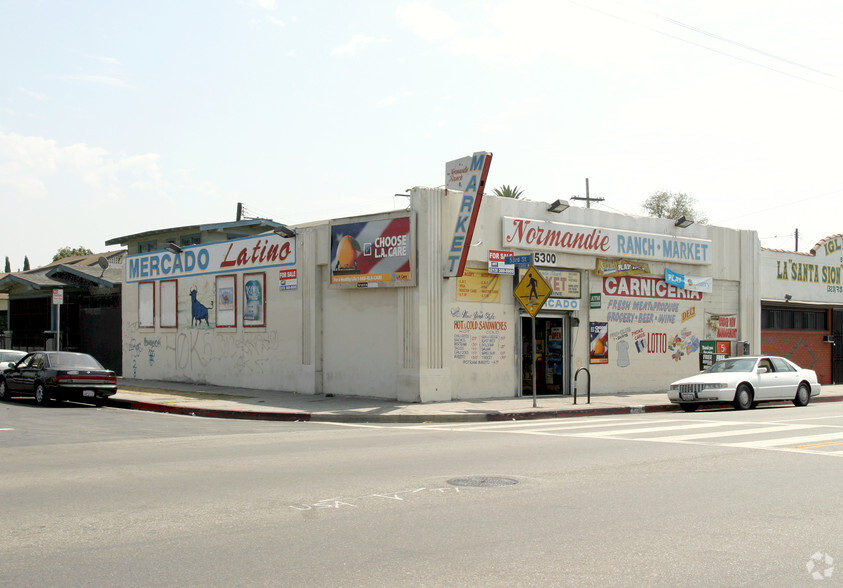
(533, 291)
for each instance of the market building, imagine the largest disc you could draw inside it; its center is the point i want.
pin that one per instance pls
(425, 304)
(802, 307)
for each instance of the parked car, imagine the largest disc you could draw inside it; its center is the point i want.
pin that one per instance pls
(745, 381)
(9, 357)
(58, 375)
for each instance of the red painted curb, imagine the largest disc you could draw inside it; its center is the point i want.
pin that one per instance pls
(211, 412)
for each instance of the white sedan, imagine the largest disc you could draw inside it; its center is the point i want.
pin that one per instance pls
(745, 381)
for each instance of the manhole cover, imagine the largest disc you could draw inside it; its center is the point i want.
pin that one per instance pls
(482, 482)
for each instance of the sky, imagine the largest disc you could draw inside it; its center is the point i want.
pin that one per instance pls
(123, 117)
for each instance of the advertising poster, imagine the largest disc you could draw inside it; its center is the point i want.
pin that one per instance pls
(478, 286)
(370, 254)
(226, 301)
(598, 348)
(254, 306)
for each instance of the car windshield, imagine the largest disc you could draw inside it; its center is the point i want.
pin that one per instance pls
(74, 361)
(733, 365)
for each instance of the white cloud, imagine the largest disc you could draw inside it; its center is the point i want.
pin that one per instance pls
(29, 163)
(357, 41)
(94, 79)
(390, 100)
(426, 21)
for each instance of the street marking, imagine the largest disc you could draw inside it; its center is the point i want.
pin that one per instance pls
(818, 445)
(715, 434)
(787, 440)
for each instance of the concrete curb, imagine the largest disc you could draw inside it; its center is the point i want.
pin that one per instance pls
(214, 413)
(292, 416)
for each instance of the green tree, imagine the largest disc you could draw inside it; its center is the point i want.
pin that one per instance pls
(70, 252)
(8, 265)
(509, 192)
(25, 263)
(673, 205)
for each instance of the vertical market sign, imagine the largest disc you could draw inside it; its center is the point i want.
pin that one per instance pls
(470, 175)
(370, 254)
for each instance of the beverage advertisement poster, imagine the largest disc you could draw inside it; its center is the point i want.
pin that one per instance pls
(598, 348)
(254, 302)
(372, 254)
(226, 301)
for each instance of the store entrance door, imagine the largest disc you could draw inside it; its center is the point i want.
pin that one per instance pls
(553, 336)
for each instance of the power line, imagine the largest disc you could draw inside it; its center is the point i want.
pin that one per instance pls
(712, 49)
(726, 40)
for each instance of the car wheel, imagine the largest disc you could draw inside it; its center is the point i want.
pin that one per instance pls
(4, 392)
(743, 398)
(689, 407)
(41, 398)
(803, 395)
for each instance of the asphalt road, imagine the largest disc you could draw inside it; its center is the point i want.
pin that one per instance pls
(108, 497)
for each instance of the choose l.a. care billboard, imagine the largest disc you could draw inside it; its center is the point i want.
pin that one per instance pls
(373, 253)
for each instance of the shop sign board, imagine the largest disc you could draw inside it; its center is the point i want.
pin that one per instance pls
(563, 283)
(620, 267)
(532, 291)
(561, 304)
(521, 233)
(288, 280)
(469, 207)
(688, 282)
(713, 351)
(250, 253)
(372, 253)
(498, 263)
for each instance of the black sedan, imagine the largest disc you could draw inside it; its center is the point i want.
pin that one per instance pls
(58, 375)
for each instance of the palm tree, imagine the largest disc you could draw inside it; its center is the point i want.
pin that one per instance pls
(513, 192)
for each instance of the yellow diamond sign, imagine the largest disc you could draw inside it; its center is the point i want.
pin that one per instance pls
(533, 291)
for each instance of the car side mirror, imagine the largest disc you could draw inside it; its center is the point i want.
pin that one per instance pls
(763, 370)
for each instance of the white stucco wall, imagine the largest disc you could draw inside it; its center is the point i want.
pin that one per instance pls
(429, 341)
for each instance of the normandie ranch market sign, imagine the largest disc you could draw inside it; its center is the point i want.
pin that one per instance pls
(567, 238)
(250, 253)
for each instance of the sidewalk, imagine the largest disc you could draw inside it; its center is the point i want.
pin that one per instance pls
(239, 403)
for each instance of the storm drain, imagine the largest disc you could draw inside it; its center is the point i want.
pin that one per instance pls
(482, 482)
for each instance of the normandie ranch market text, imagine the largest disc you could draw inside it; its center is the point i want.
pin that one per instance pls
(529, 234)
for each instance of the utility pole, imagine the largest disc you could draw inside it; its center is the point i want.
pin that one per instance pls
(588, 199)
(797, 240)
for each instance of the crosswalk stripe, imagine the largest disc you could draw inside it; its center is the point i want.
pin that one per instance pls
(788, 440)
(681, 427)
(716, 434)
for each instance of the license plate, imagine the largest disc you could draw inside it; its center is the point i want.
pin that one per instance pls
(88, 393)
(688, 396)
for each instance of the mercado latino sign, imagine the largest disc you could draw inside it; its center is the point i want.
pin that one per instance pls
(250, 253)
(530, 234)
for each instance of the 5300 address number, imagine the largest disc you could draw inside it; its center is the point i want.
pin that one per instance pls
(546, 258)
